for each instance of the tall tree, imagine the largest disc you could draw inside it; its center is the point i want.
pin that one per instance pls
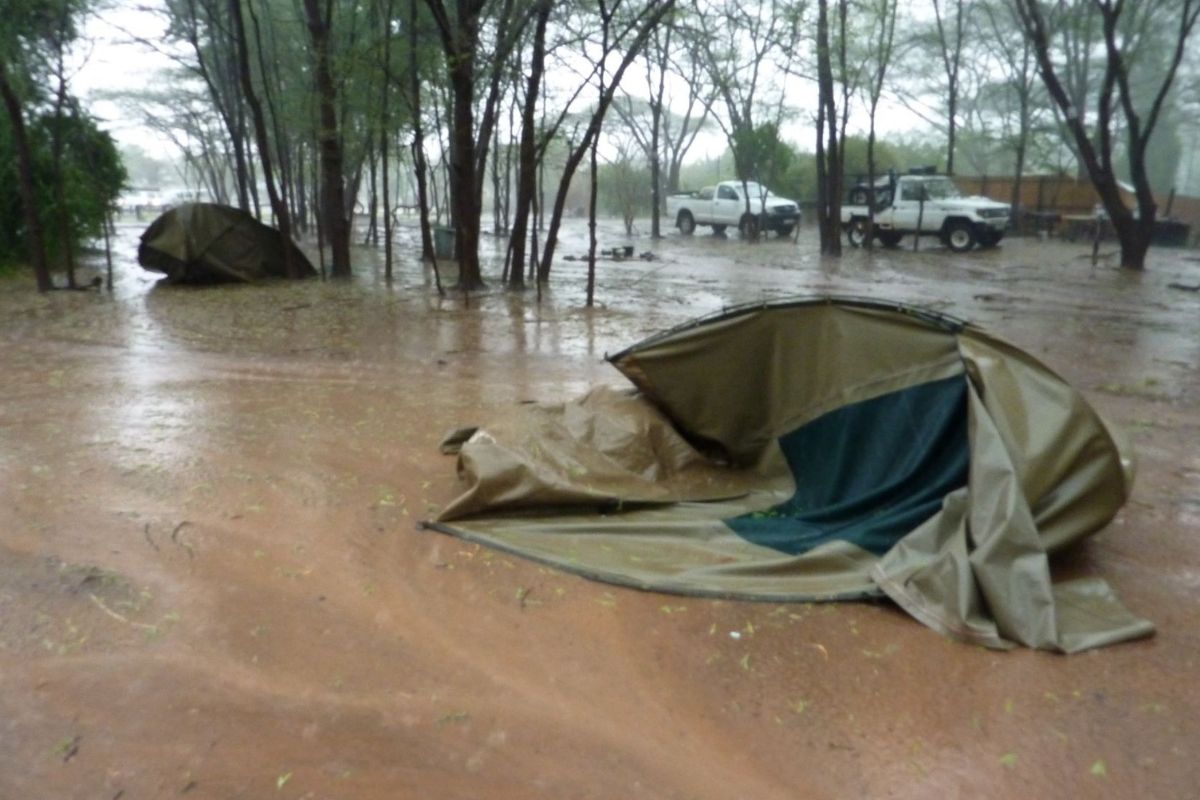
(383, 11)
(950, 24)
(61, 33)
(631, 37)
(741, 44)
(204, 25)
(1017, 85)
(26, 29)
(319, 19)
(470, 62)
(283, 217)
(829, 148)
(1115, 99)
(664, 135)
(527, 153)
(883, 15)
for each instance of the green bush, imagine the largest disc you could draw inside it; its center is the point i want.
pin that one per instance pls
(92, 176)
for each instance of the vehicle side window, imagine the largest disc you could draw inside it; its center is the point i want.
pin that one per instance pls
(910, 191)
(726, 193)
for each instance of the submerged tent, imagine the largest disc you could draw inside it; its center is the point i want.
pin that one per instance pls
(819, 449)
(209, 243)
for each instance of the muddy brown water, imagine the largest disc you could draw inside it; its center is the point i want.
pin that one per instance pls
(211, 585)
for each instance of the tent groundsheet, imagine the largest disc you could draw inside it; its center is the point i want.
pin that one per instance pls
(210, 243)
(819, 449)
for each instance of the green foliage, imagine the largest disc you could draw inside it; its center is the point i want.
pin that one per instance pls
(762, 155)
(624, 189)
(801, 179)
(92, 174)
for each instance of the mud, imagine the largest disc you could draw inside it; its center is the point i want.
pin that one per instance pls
(211, 585)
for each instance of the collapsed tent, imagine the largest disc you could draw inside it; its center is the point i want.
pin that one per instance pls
(210, 243)
(819, 449)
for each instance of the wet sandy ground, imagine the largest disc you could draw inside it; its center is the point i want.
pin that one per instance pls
(211, 585)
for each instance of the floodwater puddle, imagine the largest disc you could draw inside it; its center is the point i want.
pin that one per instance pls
(244, 466)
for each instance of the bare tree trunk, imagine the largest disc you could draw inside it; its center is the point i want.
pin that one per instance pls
(302, 220)
(329, 140)
(60, 192)
(418, 144)
(385, 143)
(829, 169)
(593, 183)
(108, 267)
(822, 186)
(527, 161)
(460, 38)
(951, 61)
(1133, 232)
(656, 113)
(497, 211)
(651, 17)
(281, 148)
(593, 187)
(883, 56)
(318, 218)
(283, 218)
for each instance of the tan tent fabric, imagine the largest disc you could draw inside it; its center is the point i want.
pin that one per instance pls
(798, 373)
(989, 548)
(607, 448)
(690, 485)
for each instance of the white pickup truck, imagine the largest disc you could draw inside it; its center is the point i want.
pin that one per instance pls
(723, 206)
(925, 205)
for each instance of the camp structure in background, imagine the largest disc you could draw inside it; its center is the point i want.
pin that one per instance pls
(210, 243)
(819, 449)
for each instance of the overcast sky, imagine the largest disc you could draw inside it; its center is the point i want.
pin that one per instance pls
(108, 59)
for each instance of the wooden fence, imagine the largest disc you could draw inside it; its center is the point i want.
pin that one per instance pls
(1047, 200)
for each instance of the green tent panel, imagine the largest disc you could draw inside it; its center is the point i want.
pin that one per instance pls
(817, 449)
(210, 243)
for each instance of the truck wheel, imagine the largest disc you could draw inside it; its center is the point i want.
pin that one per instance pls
(786, 231)
(960, 236)
(856, 232)
(686, 223)
(749, 226)
(990, 238)
(890, 238)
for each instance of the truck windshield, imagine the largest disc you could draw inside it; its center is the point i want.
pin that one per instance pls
(940, 188)
(755, 189)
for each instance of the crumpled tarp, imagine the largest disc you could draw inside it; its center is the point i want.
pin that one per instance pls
(211, 243)
(821, 449)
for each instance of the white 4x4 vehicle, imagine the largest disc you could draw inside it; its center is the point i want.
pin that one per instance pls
(926, 205)
(724, 206)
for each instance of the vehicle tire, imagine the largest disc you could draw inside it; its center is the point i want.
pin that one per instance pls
(719, 230)
(686, 223)
(889, 238)
(786, 231)
(990, 238)
(856, 232)
(960, 236)
(749, 226)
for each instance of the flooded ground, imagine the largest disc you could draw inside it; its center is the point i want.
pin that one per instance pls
(211, 585)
